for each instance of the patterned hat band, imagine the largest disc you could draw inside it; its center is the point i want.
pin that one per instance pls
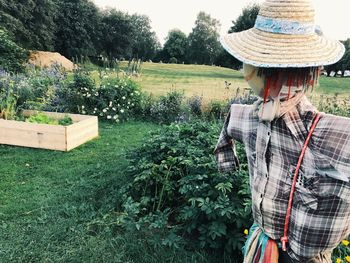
(287, 27)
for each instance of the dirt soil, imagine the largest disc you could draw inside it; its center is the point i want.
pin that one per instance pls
(46, 59)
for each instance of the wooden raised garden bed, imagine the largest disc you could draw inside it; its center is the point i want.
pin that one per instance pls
(46, 136)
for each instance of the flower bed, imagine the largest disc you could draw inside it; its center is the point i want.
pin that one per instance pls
(47, 136)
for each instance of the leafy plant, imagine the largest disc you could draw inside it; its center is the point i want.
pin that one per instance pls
(66, 121)
(176, 186)
(8, 102)
(42, 118)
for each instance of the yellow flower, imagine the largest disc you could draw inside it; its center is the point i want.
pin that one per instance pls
(246, 231)
(345, 242)
(347, 258)
(338, 260)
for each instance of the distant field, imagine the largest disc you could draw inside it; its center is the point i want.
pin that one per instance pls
(209, 81)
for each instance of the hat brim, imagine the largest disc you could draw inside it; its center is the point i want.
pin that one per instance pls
(264, 49)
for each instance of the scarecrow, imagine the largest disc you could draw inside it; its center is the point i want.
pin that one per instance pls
(298, 158)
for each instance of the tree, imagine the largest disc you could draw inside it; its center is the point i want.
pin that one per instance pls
(30, 23)
(116, 34)
(12, 56)
(78, 31)
(144, 41)
(203, 41)
(175, 46)
(246, 20)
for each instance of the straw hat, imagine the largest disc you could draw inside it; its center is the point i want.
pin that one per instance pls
(284, 36)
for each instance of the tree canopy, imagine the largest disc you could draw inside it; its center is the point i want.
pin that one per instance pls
(203, 41)
(175, 46)
(246, 19)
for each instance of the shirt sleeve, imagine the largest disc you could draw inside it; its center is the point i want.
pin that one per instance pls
(225, 151)
(332, 141)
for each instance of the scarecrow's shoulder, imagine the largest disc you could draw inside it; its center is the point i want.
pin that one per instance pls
(244, 111)
(331, 139)
(330, 122)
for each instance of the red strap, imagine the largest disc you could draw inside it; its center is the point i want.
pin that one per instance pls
(284, 239)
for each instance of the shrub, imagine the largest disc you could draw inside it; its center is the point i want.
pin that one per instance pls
(169, 108)
(176, 187)
(8, 102)
(12, 56)
(80, 93)
(216, 110)
(115, 99)
(173, 60)
(195, 105)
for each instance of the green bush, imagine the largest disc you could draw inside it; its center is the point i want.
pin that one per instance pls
(12, 56)
(169, 108)
(173, 60)
(176, 187)
(115, 99)
(216, 110)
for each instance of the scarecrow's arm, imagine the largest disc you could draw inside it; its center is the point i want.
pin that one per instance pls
(225, 151)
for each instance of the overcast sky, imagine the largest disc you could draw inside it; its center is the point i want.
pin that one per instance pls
(332, 16)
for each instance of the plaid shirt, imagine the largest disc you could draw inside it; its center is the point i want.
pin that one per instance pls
(320, 216)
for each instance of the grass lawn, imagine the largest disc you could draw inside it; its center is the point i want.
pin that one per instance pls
(209, 81)
(53, 205)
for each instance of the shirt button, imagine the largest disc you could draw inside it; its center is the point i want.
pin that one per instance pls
(261, 195)
(266, 175)
(268, 133)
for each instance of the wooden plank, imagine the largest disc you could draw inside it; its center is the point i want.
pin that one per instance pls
(81, 132)
(32, 138)
(27, 126)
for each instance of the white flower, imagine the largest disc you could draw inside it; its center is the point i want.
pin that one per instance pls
(121, 111)
(94, 112)
(96, 94)
(132, 104)
(88, 95)
(110, 104)
(109, 117)
(115, 117)
(83, 112)
(85, 89)
(132, 94)
(104, 110)
(95, 109)
(114, 109)
(123, 98)
(128, 102)
(83, 107)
